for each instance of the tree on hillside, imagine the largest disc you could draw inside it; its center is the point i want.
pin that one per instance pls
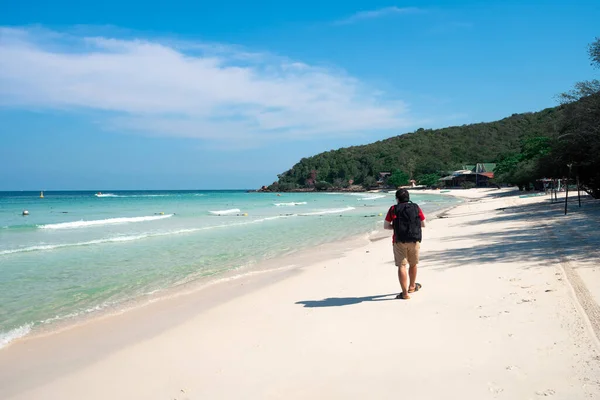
(594, 53)
(522, 168)
(578, 143)
(369, 182)
(578, 140)
(428, 179)
(398, 178)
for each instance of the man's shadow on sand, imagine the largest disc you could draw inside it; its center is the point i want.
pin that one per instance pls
(344, 301)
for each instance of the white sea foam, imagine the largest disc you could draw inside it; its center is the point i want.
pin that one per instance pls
(75, 314)
(269, 218)
(117, 239)
(88, 243)
(372, 197)
(328, 211)
(7, 337)
(100, 222)
(131, 195)
(225, 212)
(147, 195)
(290, 204)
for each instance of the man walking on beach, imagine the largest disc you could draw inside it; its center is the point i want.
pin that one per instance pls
(406, 220)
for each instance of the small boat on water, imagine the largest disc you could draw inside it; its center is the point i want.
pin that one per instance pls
(100, 194)
(41, 195)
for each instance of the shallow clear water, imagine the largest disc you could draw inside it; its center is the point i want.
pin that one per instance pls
(77, 253)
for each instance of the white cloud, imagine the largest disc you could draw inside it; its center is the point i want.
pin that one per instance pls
(381, 12)
(197, 90)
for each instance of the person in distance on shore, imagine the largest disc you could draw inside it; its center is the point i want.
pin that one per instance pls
(406, 219)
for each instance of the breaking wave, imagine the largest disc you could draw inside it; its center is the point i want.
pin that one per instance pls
(372, 197)
(225, 212)
(131, 195)
(7, 337)
(328, 211)
(101, 222)
(130, 238)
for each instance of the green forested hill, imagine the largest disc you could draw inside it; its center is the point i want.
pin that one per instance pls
(422, 153)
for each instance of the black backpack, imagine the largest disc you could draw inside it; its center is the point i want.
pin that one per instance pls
(407, 224)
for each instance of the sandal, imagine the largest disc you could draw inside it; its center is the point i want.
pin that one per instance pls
(416, 289)
(401, 297)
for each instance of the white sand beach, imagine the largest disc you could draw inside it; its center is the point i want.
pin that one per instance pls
(508, 310)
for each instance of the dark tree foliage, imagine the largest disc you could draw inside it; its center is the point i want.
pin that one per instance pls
(398, 178)
(594, 53)
(578, 141)
(578, 144)
(523, 168)
(429, 179)
(574, 142)
(581, 89)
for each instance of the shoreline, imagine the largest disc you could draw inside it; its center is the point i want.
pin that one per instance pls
(57, 324)
(326, 251)
(203, 294)
(269, 331)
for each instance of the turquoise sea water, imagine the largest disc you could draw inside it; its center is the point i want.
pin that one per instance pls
(78, 253)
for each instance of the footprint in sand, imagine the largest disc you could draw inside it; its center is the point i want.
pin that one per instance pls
(182, 392)
(525, 301)
(548, 392)
(492, 387)
(516, 370)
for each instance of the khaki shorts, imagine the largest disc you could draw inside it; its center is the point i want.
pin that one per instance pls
(406, 253)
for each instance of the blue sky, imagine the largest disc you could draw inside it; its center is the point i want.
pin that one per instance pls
(222, 95)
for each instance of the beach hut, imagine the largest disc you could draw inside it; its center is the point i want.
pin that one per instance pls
(478, 175)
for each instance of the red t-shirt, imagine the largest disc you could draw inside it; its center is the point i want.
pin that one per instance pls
(391, 215)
